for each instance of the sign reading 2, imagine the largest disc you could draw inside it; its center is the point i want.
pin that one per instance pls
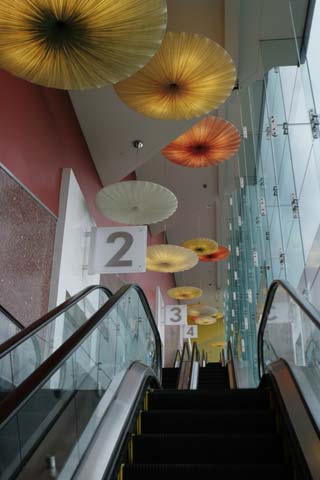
(116, 261)
(118, 250)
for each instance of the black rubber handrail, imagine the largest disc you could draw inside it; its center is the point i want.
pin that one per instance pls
(299, 299)
(231, 369)
(27, 332)
(18, 397)
(177, 358)
(195, 356)
(185, 351)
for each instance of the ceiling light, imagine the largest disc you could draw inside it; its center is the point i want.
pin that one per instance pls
(190, 75)
(220, 254)
(201, 246)
(136, 202)
(184, 293)
(170, 258)
(209, 142)
(76, 44)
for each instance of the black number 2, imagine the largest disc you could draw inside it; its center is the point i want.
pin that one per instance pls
(116, 261)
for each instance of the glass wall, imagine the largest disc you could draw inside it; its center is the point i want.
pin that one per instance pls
(274, 209)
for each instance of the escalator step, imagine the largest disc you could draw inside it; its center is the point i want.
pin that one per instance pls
(191, 421)
(209, 400)
(170, 377)
(256, 449)
(190, 472)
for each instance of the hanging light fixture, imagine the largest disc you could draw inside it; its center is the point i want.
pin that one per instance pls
(209, 142)
(219, 316)
(201, 246)
(201, 310)
(75, 44)
(205, 320)
(220, 254)
(170, 258)
(218, 344)
(190, 75)
(184, 293)
(136, 202)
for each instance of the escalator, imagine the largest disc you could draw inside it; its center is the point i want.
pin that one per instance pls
(94, 407)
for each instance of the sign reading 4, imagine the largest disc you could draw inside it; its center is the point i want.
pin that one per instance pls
(190, 331)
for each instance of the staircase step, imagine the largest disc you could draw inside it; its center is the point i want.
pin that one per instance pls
(216, 449)
(190, 472)
(193, 421)
(170, 377)
(244, 399)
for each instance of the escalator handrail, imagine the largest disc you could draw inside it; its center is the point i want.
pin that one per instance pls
(17, 398)
(185, 350)
(32, 329)
(231, 369)
(11, 318)
(195, 356)
(177, 358)
(299, 299)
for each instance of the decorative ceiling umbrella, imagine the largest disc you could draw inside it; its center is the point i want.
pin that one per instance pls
(170, 258)
(75, 44)
(136, 202)
(184, 293)
(201, 310)
(219, 316)
(205, 320)
(209, 142)
(201, 246)
(190, 75)
(220, 254)
(218, 344)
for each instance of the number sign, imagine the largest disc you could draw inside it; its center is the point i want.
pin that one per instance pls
(118, 250)
(176, 314)
(190, 331)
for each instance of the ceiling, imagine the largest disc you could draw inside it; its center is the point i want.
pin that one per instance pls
(245, 28)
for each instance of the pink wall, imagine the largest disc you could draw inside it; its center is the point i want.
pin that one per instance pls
(40, 135)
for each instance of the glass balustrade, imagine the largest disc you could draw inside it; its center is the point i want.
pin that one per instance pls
(292, 335)
(72, 392)
(28, 354)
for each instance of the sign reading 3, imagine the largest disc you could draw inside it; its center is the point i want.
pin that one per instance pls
(176, 315)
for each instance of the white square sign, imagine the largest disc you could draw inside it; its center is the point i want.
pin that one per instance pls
(118, 250)
(176, 315)
(190, 331)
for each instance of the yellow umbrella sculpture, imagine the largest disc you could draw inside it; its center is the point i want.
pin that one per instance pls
(184, 293)
(75, 44)
(170, 258)
(201, 246)
(190, 75)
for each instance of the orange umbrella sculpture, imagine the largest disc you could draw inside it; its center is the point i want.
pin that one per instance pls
(220, 254)
(209, 142)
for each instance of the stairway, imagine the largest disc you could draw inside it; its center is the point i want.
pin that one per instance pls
(170, 377)
(213, 432)
(214, 377)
